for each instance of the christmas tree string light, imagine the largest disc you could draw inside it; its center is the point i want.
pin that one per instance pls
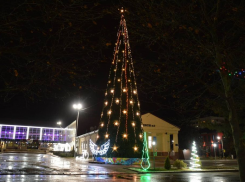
(194, 157)
(239, 73)
(120, 117)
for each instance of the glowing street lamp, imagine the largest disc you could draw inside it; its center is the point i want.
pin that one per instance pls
(59, 123)
(77, 107)
(218, 137)
(214, 150)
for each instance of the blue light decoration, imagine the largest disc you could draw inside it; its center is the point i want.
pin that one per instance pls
(145, 163)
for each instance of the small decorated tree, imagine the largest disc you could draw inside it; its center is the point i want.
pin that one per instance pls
(195, 162)
(167, 164)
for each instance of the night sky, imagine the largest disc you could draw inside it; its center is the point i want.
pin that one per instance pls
(33, 41)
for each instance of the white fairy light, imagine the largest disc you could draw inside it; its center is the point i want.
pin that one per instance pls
(99, 150)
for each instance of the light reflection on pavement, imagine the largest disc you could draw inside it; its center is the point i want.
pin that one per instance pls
(42, 167)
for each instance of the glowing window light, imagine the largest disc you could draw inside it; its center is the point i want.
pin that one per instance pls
(18, 132)
(106, 103)
(124, 90)
(109, 112)
(102, 124)
(125, 135)
(117, 101)
(133, 124)
(131, 102)
(124, 112)
(44, 133)
(112, 91)
(149, 142)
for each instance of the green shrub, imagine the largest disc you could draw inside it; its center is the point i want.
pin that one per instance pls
(167, 164)
(179, 164)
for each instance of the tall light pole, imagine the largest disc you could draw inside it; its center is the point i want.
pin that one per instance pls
(218, 137)
(78, 107)
(214, 150)
(153, 143)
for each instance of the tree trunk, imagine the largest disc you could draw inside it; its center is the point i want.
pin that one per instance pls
(239, 141)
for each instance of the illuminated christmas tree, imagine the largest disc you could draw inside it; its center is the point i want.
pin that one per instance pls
(194, 157)
(120, 132)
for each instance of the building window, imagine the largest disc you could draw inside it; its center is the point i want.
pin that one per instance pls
(149, 142)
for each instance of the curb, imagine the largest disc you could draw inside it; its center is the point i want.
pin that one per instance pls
(200, 171)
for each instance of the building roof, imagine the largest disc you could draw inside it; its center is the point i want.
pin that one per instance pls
(149, 118)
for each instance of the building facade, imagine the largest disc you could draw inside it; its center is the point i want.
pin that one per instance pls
(14, 136)
(163, 133)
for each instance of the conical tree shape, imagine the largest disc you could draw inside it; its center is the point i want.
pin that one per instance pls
(120, 117)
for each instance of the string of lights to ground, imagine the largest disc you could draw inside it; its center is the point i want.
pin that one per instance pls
(121, 130)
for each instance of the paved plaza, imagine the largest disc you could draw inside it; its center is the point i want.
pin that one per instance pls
(47, 167)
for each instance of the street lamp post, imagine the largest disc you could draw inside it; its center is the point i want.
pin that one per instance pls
(214, 150)
(59, 123)
(218, 137)
(153, 143)
(77, 107)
